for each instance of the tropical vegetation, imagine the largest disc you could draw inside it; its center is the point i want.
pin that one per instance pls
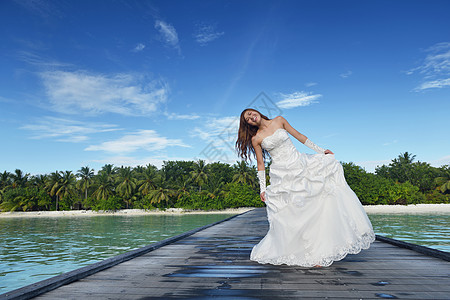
(181, 184)
(197, 185)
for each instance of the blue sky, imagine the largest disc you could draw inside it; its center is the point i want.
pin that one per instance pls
(138, 82)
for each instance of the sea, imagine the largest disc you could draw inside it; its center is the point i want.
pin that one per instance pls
(36, 248)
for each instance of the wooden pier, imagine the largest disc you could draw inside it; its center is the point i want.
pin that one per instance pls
(214, 264)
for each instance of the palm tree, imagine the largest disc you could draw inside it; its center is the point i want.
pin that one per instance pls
(148, 183)
(160, 193)
(27, 202)
(85, 174)
(127, 184)
(5, 180)
(52, 185)
(12, 204)
(138, 172)
(105, 186)
(183, 183)
(199, 175)
(19, 178)
(39, 180)
(244, 174)
(401, 167)
(109, 170)
(406, 158)
(216, 187)
(66, 187)
(443, 181)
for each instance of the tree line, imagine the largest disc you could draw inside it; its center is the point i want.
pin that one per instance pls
(197, 185)
(183, 184)
(402, 181)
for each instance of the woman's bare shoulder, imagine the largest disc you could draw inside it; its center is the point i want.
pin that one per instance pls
(257, 139)
(279, 118)
(280, 121)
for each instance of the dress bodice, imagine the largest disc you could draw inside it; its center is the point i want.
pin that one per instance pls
(279, 145)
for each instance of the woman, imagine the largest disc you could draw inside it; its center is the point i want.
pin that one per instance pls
(314, 216)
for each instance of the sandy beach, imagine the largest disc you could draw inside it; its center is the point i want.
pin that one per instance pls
(408, 209)
(370, 209)
(123, 212)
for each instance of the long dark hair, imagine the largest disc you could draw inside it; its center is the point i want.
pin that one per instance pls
(244, 145)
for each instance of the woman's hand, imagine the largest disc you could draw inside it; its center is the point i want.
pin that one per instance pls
(328, 152)
(263, 196)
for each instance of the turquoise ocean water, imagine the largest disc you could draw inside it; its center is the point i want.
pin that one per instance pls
(33, 249)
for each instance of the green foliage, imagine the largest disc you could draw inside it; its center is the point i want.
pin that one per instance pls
(214, 186)
(172, 170)
(112, 203)
(244, 174)
(442, 181)
(403, 193)
(403, 169)
(199, 200)
(372, 189)
(437, 197)
(85, 174)
(199, 175)
(11, 199)
(241, 195)
(25, 198)
(143, 203)
(127, 185)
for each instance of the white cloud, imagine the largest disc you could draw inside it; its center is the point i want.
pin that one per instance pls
(65, 130)
(174, 116)
(157, 161)
(445, 160)
(225, 127)
(346, 74)
(296, 99)
(440, 83)
(370, 165)
(82, 92)
(310, 84)
(139, 47)
(206, 33)
(40, 61)
(147, 140)
(220, 135)
(435, 67)
(436, 62)
(168, 33)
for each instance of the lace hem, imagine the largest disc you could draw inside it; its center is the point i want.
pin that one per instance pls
(292, 260)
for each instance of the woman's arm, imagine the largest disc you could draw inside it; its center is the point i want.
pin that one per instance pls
(259, 156)
(302, 138)
(261, 168)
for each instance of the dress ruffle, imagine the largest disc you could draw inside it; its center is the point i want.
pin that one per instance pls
(315, 218)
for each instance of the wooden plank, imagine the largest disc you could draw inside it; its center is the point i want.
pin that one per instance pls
(215, 262)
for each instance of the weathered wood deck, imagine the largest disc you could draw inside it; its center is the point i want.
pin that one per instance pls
(214, 263)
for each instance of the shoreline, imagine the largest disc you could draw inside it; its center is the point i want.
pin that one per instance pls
(122, 212)
(370, 209)
(442, 208)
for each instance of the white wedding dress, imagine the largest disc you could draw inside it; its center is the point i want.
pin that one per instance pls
(315, 218)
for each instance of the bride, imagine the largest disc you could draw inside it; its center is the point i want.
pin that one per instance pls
(314, 216)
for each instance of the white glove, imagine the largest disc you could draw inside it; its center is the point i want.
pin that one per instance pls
(262, 181)
(313, 146)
